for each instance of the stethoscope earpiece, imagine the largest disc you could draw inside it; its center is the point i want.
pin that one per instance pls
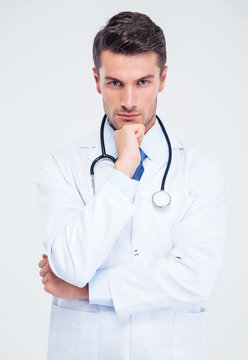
(160, 198)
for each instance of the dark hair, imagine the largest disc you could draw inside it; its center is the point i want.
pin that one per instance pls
(130, 33)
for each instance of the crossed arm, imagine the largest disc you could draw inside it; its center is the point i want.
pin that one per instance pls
(188, 275)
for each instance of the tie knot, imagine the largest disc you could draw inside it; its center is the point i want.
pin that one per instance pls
(142, 155)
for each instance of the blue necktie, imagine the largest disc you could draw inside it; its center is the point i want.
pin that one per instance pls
(140, 169)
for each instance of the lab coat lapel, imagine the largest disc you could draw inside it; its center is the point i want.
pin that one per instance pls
(92, 143)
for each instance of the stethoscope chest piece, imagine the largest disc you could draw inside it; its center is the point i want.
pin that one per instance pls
(161, 198)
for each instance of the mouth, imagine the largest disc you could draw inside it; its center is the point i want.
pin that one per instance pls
(128, 116)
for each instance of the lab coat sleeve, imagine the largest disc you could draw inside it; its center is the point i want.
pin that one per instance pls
(78, 236)
(189, 274)
(124, 184)
(99, 289)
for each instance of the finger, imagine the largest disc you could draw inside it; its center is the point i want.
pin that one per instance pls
(44, 280)
(44, 256)
(42, 263)
(45, 270)
(48, 277)
(139, 131)
(136, 128)
(139, 138)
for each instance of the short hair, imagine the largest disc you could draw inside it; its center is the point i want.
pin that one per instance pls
(130, 33)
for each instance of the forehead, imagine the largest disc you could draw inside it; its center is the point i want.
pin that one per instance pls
(137, 65)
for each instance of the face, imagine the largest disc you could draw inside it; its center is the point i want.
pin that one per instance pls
(129, 85)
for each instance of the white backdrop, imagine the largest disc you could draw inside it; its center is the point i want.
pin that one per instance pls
(48, 100)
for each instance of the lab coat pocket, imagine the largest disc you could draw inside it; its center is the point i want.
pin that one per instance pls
(72, 335)
(189, 335)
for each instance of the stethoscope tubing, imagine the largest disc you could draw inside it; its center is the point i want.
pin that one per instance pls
(169, 153)
(104, 155)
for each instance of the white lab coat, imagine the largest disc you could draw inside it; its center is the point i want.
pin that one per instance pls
(158, 294)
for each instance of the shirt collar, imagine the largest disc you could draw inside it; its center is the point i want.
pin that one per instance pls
(150, 143)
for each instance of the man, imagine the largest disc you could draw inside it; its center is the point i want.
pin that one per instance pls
(129, 278)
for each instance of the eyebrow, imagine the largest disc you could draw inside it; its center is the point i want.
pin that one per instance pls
(142, 78)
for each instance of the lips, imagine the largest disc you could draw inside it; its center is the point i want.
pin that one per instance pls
(128, 116)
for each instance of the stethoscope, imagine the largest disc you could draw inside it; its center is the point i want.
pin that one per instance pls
(160, 198)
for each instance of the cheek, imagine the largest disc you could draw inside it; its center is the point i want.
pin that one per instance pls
(147, 98)
(110, 97)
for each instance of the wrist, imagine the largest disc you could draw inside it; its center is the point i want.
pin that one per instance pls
(125, 167)
(83, 293)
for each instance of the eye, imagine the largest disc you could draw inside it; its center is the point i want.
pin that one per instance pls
(143, 82)
(115, 83)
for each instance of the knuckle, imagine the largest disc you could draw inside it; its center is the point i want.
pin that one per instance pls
(48, 276)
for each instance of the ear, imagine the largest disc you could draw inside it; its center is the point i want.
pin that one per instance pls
(163, 78)
(97, 80)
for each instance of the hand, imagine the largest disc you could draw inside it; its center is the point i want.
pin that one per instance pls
(127, 140)
(58, 287)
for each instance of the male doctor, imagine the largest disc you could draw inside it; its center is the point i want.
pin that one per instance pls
(128, 278)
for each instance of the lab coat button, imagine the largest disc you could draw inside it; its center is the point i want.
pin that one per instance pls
(135, 252)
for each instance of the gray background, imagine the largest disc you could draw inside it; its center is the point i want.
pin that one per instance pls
(48, 100)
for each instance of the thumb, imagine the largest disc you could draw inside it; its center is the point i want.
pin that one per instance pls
(140, 132)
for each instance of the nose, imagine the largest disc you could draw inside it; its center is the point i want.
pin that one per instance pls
(128, 99)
